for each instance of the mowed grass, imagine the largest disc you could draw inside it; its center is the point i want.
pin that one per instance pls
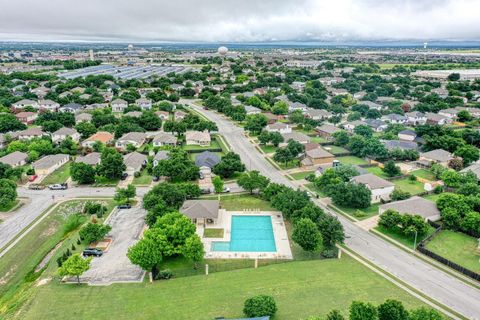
(414, 187)
(301, 175)
(268, 148)
(213, 145)
(378, 172)
(335, 149)
(238, 202)
(60, 175)
(301, 289)
(424, 174)
(457, 247)
(144, 179)
(352, 160)
(361, 214)
(408, 241)
(213, 233)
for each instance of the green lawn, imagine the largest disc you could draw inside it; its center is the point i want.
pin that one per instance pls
(361, 214)
(403, 239)
(318, 140)
(301, 175)
(60, 175)
(378, 172)
(301, 289)
(352, 160)
(213, 145)
(9, 206)
(290, 165)
(102, 181)
(244, 201)
(268, 148)
(414, 187)
(144, 179)
(425, 174)
(213, 233)
(433, 196)
(457, 247)
(335, 149)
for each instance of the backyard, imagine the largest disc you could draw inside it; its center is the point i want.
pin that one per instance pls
(60, 175)
(335, 149)
(240, 202)
(301, 289)
(414, 187)
(424, 174)
(457, 247)
(378, 172)
(352, 160)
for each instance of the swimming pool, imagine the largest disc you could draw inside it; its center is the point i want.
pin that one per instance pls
(249, 234)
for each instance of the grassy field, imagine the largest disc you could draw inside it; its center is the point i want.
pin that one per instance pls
(378, 172)
(352, 160)
(403, 239)
(60, 175)
(335, 149)
(240, 202)
(213, 145)
(268, 148)
(414, 187)
(361, 214)
(318, 140)
(301, 175)
(301, 289)
(424, 174)
(213, 233)
(290, 165)
(433, 196)
(457, 247)
(144, 179)
(102, 181)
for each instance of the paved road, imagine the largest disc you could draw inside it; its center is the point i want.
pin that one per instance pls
(114, 266)
(420, 275)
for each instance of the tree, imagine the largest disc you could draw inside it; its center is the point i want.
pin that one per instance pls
(264, 137)
(92, 232)
(8, 122)
(228, 165)
(193, 249)
(217, 184)
(363, 311)
(341, 138)
(280, 107)
(276, 138)
(289, 201)
(464, 116)
(8, 192)
(335, 315)
(255, 122)
(392, 310)
(178, 167)
(351, 195)
(51, 126)
(364, 131)
(111, 164)
(454, 76)
(451, 178)
(125, 194)
(82, 173)
(424, 313)
(391, 169)
(260, 306)
(331, 230)
(398, 194)
(145, 253)
(468, 153)
(75, 266)
(86, 129)
(149, 121)
(252, 180)
(306, 234)
(283, 155)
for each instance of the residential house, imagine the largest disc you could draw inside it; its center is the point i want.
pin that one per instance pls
(164, 139)
(91, 159)
(134, 162)
(439, 156)
(83, 117)
(416, 118)
(317, 114)
(29, 133)
(372, 105)
(207, 159)
(400, 144)
(296, 136)
(25, 103)
(3, 141)
(119, 105)
(317, 156)
(201, 212)
(102, 136)
(449, 113)
(395, 118)
(327, 130)
(136, 139)
(337, 91)
(144, 103)
(279, 127)
(252, 110)
(62, 134)
(407, 135)
(438, 119)
(71, 108)
(475, 168)
(163, 115)
(179, 115)
(272, 118)
(40, 92)
(26, 117)
(294, 106)
(161, 155)
(48, 105)
(413, 206)
(15, 159)
(50, 163)
(350, 126)
(298, 85)
(200, 138)
(376, 124)
(381, 189)
(441, 92)
(133, 114)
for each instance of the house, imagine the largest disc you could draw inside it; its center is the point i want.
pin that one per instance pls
(200, 138)
(133, 114)
(102, 136)
(91, 159)
(71, 108)
(279, 127)
(29, 133)
(380, 188)
(416, 118)
(317, 156)
(439, 156)
(136, 139)
(449, 113)
(25, 103)
(207, 159)
(164, 139)
(201, 211)
(119, 105)
(475, 168)
(134, 162)
(298, 85)
(294, 106)
(441, 92)
(161, 155)
(399, 144)
(438, 119)
(350, 126)
(327, 131)
(252, 110)
(50, 163)
(48, 105)
(272, 118)
(26, 117)
(372, 105)
(40, 92)
(15, 159)
(163, 115)
(407, 135)
(395, 118)
(83, 117)
(317, 114)
(179, 115)
(144, 103)
(376, 124)
(62, 133)
(296, 136)
(413, 206)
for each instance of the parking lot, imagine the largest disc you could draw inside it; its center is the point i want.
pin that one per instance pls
(114, 266)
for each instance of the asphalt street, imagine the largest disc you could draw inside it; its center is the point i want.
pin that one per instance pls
(418, 274)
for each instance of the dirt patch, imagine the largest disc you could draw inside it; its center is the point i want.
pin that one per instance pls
(6, 277)
(52, 228)
(42, 282)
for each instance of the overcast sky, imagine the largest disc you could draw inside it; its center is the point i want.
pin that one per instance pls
(239, 20)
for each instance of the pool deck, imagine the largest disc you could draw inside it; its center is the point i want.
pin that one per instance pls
(225, 221)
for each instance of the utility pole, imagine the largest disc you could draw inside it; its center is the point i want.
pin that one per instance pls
(415, 241)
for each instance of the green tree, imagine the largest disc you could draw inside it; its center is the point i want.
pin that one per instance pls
(341, 138)
(111, 164)
(228, 165)
(392, 310)
(255, 123)
(86, 129)
(391, 169)
(75, 266)
(454, 76)
(464, 116)
(364, 131)
(252, 180)
(92, 232)
(145, 253)
(276, 138)
(331, 230)
(335, 315)
(82, 173)
(217, 184)
(193, 249)
(280, 107)
(8, 122)
(125, 194)
(178, 167)
(363, 311)
(468, 153)
(424, 313)
(8, 192)
(260, 306)
(306, 235)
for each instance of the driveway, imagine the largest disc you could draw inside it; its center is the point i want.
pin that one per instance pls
(114, 266)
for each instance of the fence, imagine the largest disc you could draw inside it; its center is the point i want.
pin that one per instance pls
(421, 247)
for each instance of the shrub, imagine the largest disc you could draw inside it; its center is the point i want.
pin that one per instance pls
(165, 274)
(329, 253)
(73, 222)
(137, 174)
(438, 189)
(93, 232)
(310, 178)
(260, 306)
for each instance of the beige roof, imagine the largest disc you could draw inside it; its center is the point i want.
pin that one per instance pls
(91, 159)
(65, 132)
(14, 158)
(372, 181)
(197, 136)
(318, 153)
(165, 137)
(200, 209)
(134, 160)
(49, 161)
(439, 155)
(133, 136)
(328, 128)
(415, 206)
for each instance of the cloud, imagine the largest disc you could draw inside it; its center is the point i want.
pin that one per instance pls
(237, 21)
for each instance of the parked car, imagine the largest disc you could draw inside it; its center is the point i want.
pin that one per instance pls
(58, 186)
(226, 190)
(155, 178)
(124, 206)
(124, 176)
(32, 178)
(36, 186)
(92, 252)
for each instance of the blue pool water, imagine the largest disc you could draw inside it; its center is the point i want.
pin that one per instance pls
(249, 234)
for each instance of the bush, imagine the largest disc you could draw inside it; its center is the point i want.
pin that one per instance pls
(165, 274)
(329, 253)
(310, 178)
(260, 306)
(137, 174)
(438, 189)
(73, 222)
